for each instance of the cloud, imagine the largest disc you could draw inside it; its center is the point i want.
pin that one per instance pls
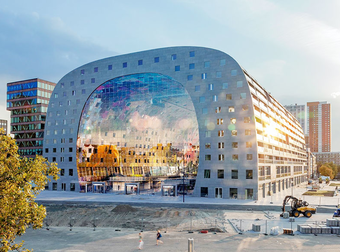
(335, 94)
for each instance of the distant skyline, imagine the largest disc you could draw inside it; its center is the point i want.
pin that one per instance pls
(290, 47)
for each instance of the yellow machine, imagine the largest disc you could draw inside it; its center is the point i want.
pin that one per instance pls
(298, 207)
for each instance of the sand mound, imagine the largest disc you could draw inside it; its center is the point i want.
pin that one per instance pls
(124, 209)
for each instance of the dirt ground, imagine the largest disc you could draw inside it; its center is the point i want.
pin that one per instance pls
(143, 218)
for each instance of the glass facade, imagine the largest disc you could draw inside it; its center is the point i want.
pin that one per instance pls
(140, 125)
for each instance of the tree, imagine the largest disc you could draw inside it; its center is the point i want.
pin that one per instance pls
(21, 179)
(326, 171)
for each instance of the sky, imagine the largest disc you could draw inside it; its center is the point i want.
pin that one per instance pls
(292, 48)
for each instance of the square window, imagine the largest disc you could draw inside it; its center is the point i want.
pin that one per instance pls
(192, 53)
(224, 85)
(220, 174)
(70, 140)
(208, 157)
(93, 80)
(190, 77)
(222, 62)
(173, 56)
(206, 173)
(239, 84)
(55, 95)
(54, 159)
(218, 74)
(210, 87)
(72, 83)
(220, 133)
(62, 85)
(204, 111)
(62, 172)
(249, 174)
(54, 186)
(202, 99)
(234, 174)
(156, 59)
(219, 121)
(234, 145)
(54, 149)
(83, 91)
(177, 68)
(245, 107)
(46, 150)
(243, 96)
(229, 97)
(197, 88)
(247, 119)
(232, 120)
(70, 149)
(218, 110)
(125, 65)
(72, 186)
(192, 66)
(95, 69)
(109, 67)
(215, 98)
(204, 76)
(208, 134)
(82, 72)
(247, 132)
(249, 156)
(221, 146)
(70, 159)
(221, 157)
(234, 157)
(231, 109)
(140, 62)
(204, 191)
(233, 72)
(206, 64)
(234, 132)
(82, 82)
(207, 145)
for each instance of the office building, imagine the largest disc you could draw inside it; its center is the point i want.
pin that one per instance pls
(27, 101)
(299, 112)
(143, 118)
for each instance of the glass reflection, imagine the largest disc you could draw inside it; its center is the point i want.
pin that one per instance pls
(141, 127)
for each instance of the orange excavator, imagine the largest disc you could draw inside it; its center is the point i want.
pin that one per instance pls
(297, 207)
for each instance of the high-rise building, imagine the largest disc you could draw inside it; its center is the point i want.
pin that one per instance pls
(3, 125)
(28, 101)
(299, 112)
(319, 126)
(142, 118)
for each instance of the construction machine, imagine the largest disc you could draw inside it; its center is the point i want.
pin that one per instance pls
(297, 207)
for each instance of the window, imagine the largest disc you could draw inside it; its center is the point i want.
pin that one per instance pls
(46, 150)
(218, 110)
(246, 119)
(221, 146)
(245, 107)
(232, 120)
(218, 74)
(156, 59)
(63, 131)
(62, 172)
(82, 72)
(220, 133)
(235, 157)
(204, 191)
(248, 144)
(95, 69)
(243, 96)
(192, 66)
(54, 186)
(83, 91)
(72, 186)
(234, 145)
(215, 98)
(55, 95)
(221, 157)
(231, 109)
(219, 121)
(72, 83)
(249, 174)
(204, 111)
(125, 65)
(70, 140)
(62, 150)
(207, 145)
(233, 72)
(78, 101)
(70, 149)
(204, 76)
(206, 173)
(192, 54)
(62, 140)
(177, 68)
(234, 174)
(54, 159)
(206, 64)
(202, 99)
(93, 80)
(70, 159)
(54, 149)
(229, 97)
(109, 67)
(197, 88)
(82, 82)
(239, 84)
(208, 157)
(210, 87)
(222, 62)
(234, 132)
(247, 132)
(190, 77)
(249, 156)
(220, 174)
(64, 93)
(224, 85)
(140, 62)
(73, 92)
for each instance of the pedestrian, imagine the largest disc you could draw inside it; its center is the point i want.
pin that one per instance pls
(141, 243)
(159, 235)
